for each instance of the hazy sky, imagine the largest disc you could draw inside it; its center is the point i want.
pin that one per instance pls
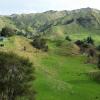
(32, 6)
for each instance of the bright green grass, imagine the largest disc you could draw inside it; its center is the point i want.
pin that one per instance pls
(65, 78)
(58, 77)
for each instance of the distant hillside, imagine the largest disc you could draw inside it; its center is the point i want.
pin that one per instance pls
(58, 23)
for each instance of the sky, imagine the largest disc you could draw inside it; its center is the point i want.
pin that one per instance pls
(35, 6)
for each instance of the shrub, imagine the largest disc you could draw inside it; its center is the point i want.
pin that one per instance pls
(68, 38)
(79, 42)
(7, 31)
(89, 40)
(40, 43)
(16, 75)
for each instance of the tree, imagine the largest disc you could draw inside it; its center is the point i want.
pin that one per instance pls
(40, 43)
(85, 43)
(89, 40)
(79, 43)
(68, 38)
(16, 75)
(7, 31)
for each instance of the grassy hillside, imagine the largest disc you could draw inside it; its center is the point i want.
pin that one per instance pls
(58, 77)
(58, 23)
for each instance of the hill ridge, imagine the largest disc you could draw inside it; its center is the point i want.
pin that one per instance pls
(85, 20)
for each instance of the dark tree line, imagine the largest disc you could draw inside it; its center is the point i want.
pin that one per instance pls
(85, 42)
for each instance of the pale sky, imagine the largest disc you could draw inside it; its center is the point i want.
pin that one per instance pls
(33, 6)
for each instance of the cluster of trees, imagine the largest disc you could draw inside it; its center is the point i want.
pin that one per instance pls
(40, 43)
(16, 76)
(7, 31)
(87, 46)
(85, 42)
(10, 31)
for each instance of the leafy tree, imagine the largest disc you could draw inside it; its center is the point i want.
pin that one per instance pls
(40, 43)
(89, 40)
(16, 75)
(68, 38)
(79, 42)
(7, 31)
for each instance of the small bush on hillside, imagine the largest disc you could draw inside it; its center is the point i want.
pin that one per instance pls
(86, 46)
(16, 76)
(86, 42)
(79, 42)
(40, 43)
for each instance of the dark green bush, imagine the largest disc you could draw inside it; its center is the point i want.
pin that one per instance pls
(7, 31)
(40, 43)
(16, 76)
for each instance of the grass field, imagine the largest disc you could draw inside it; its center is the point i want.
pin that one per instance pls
(57, 77)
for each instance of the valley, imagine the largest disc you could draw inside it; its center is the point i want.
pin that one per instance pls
(57, 43)
(57, 76)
